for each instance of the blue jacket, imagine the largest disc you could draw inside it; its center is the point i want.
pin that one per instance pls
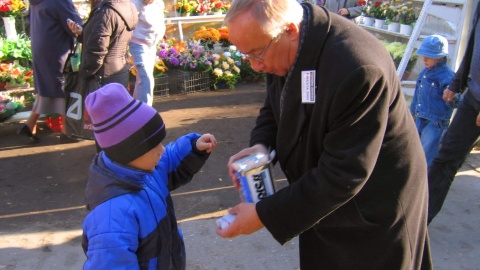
(132, 223)
(427, 101)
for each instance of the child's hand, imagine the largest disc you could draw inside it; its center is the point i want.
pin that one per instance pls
(478, 120)
(206, 142)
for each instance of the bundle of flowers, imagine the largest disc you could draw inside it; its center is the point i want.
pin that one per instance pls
(170, 54)
(193, 57)
(14, 73)
(206, 36)
(218, 6)
(9, 106)
(203, 7)
(224, 38)
(12, 8)
(185, 6)
(225, 70)
(196, 58)
(408, 14)
(397, 50)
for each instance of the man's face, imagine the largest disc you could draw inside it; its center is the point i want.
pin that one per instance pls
(273, 56)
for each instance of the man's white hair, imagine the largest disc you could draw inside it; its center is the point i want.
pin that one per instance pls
(271, 15)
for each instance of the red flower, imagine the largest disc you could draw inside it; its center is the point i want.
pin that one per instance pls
(361, 3)
(377, 4)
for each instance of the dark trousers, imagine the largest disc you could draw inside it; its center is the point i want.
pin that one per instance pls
(455, 146)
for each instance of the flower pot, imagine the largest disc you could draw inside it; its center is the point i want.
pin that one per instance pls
(394, 27)
(379, 23)
(217, 13)
(10, 30)
(185, 14)
(369, 21)
(406, 29)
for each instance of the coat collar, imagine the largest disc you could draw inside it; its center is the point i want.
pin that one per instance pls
(313, 33)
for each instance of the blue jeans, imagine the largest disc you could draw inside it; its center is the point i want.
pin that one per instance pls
(144, 61)
(455, 146)
(430, 134)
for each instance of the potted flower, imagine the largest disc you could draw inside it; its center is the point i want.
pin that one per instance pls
(185, 7)
(206, 36)
(202, 8)
(366, 8)
(397, 51)
(225, 71)
(392, 17)
(379, 13)
(408, 15)
(218, 7)
(14, 76)
(9, 9)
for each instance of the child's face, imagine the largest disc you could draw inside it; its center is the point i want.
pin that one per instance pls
(149, 160)
(430, 62)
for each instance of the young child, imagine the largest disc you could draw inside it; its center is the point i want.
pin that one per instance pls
(431, 113)
(132, 224)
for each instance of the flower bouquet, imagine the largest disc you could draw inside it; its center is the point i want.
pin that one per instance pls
(186, 7)
(225, 71)
(218, 6)
(15, 74)
(12, 8)
(207, 36)
(203, 7)
(407, 13)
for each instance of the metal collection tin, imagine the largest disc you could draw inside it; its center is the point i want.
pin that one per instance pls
(256, 178)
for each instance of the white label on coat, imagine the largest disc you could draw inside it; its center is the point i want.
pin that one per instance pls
(308, 86)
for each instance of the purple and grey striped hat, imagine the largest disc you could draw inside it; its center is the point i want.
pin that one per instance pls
(125, 128)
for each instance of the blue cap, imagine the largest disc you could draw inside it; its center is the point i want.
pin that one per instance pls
(434, 46)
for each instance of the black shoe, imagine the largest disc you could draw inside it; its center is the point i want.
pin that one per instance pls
(67, 139)
(23, 129)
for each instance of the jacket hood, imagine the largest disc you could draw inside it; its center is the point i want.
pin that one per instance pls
(126, 10)
(103, 184)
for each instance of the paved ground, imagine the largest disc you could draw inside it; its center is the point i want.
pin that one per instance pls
(41, 202)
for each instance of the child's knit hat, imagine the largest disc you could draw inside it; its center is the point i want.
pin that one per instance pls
(124, 128)
(434, 46)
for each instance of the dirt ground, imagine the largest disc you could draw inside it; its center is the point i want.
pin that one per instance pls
(41, 201)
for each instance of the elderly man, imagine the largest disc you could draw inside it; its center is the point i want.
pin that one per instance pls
(335, 114)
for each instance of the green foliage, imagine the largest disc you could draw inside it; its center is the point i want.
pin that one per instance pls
(19, 49)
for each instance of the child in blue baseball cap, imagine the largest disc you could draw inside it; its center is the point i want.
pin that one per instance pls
(431, 113)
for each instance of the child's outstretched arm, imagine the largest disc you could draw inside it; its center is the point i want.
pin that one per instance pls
(207, 143)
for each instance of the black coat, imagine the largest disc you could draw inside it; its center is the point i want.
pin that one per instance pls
(357, 172)
(105, 40)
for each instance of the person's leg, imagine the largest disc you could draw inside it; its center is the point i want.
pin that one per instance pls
(430, 138)
(454, 148)
(144, 62)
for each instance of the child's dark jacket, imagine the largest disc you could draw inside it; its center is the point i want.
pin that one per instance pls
(132, 223)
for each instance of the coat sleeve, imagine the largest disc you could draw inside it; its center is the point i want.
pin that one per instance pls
(183, 160)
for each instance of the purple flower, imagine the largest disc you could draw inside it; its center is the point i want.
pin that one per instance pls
(174, 61)
(193, 65)
(208, 63)
(163, 53)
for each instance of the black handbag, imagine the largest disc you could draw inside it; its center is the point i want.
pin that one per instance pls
(77, 121)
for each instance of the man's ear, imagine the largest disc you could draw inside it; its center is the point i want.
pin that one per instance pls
(292, 31)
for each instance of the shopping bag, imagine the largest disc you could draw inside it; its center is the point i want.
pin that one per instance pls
(77, 121)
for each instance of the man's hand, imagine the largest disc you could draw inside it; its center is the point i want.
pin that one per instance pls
(246, 221)
(206, 142)
(258, 148)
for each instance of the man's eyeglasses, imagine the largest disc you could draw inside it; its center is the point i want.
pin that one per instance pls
(260, 57)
